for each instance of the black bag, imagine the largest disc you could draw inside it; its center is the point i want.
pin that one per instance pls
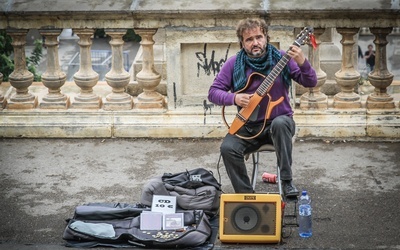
(194, 189)
(118, 225)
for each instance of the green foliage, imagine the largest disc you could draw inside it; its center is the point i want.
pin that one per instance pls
(6, 64)
(34, 60)
(99, 33)
(6, 52)
(36, 53)
(130, 35)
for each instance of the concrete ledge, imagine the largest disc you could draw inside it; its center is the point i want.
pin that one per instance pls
(331, 123)
(183, 122)
(383, 123)
(349, 125)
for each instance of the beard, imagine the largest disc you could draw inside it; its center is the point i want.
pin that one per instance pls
(258, 53)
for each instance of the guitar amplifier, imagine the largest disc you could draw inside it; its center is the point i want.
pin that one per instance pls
(250, 218)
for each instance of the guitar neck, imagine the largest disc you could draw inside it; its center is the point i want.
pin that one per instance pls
(263, 89)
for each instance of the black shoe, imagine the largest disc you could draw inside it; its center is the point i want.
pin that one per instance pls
(289, 189)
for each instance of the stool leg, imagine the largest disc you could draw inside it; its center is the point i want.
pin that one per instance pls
(255, 157)
(278, 173)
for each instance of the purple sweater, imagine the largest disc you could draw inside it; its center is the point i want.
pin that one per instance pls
(221, 91)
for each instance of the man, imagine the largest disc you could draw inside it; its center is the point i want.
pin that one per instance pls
(370, 57)
(257, 55)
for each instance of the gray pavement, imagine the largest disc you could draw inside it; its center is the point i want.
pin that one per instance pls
(354, 186)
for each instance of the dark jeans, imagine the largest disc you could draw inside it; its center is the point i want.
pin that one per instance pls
(279, 133)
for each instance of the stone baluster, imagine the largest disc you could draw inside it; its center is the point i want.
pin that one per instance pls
(86, 78)
(148, 77)
(380, 77)
(2, 100)
(347, 77)
(53, 78)
(118, 78)
(314, 98)
(20, 78)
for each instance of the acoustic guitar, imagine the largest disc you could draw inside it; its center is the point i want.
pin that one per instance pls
(251, 111)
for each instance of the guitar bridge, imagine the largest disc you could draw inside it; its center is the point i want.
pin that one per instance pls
(241, 118)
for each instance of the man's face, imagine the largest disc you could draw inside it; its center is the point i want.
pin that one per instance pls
(254, 42)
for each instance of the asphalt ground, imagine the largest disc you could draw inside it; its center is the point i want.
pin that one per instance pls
(354, 186)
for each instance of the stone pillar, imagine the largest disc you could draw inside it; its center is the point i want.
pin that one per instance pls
(2, 101)
(148, 77)
(347, 77)
(53, 78)
(86, 78)
(118, 77)
(380, 77)
(314, 98)
(20, 78)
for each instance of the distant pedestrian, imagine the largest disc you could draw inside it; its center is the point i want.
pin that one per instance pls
(370, 57)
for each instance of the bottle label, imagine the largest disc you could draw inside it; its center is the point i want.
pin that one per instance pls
(305, 210)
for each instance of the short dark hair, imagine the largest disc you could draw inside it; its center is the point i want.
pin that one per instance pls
(251, 23)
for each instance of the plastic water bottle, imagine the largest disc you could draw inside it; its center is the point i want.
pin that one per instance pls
(305, 225)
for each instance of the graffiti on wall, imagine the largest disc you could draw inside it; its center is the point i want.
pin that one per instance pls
(207, 62)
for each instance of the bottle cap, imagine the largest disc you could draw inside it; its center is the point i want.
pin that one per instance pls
(304, 192)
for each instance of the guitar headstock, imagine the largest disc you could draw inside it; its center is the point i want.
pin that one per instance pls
(304, 36)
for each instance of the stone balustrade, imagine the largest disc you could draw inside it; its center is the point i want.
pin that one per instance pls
(183, 45)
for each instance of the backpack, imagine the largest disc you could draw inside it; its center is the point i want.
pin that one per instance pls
(193, 189)
(118, 225)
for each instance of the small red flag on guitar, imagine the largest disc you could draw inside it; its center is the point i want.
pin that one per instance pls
(313, 42)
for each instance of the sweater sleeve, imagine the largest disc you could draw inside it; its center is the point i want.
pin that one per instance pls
(220, 92)
(305, 74)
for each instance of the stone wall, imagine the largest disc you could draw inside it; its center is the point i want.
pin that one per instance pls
(184, 45)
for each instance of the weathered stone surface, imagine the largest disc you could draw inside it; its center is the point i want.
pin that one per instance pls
(191, 42)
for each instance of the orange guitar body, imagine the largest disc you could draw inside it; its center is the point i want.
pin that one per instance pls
(243, 116)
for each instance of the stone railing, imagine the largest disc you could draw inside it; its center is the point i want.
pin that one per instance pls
(183, 45)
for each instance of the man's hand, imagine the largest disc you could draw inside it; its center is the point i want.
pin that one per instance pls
(242, 99)
(297, 54)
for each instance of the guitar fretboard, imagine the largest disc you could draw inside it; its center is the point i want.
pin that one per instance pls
(264, 87)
